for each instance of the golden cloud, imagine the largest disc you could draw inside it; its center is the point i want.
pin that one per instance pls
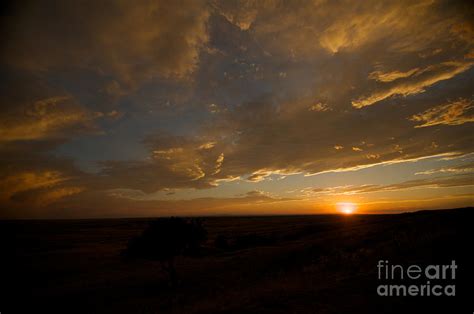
(454, 113)
(391, 76)
(319, 107)
(416, 82)
(219, 162)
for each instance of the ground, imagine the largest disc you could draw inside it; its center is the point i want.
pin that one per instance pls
(285, 264)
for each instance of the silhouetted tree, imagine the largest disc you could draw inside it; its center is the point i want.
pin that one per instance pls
(166, 238)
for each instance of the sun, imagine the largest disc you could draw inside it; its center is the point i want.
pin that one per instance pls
(346, 208)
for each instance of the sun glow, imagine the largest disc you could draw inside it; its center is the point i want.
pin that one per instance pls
(346, 208)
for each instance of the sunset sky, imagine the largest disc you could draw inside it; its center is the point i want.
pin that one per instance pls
(148, 108)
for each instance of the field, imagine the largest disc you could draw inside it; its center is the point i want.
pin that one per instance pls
(278, 264)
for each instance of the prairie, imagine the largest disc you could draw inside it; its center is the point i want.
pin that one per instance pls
(266, 264)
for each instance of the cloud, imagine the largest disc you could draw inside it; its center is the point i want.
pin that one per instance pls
(300, 30)
(219, 162)
(239, 13)
(415, 83)
(137, 203)
(393, 161)
(391, 76)
(207, 145)
(350, 31)
(260, 138)
(255, 193)
(259, 175)
(34, 188)
(132, 41)
(461, 180)
(174, 162)
(56, 116)
(263, 174)
(466, 168)
(25, 181)
(31, 177)
(54, 195)
(372, 156)
(319, 107)
(453, 113)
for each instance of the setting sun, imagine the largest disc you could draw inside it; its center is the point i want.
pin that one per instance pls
(346, 208)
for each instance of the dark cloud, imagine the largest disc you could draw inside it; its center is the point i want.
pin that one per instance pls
(129, 41)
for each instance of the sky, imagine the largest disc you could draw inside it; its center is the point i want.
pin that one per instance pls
(158, 108)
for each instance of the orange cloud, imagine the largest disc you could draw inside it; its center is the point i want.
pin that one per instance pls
(25, 181)
(35, 188)
(51, 196)
(49, 117)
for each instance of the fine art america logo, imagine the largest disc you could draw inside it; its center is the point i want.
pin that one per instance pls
(415, 280)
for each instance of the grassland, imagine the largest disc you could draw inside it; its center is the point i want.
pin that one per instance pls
(286, 264)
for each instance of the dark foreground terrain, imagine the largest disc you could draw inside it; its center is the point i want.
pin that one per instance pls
(292, 264)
